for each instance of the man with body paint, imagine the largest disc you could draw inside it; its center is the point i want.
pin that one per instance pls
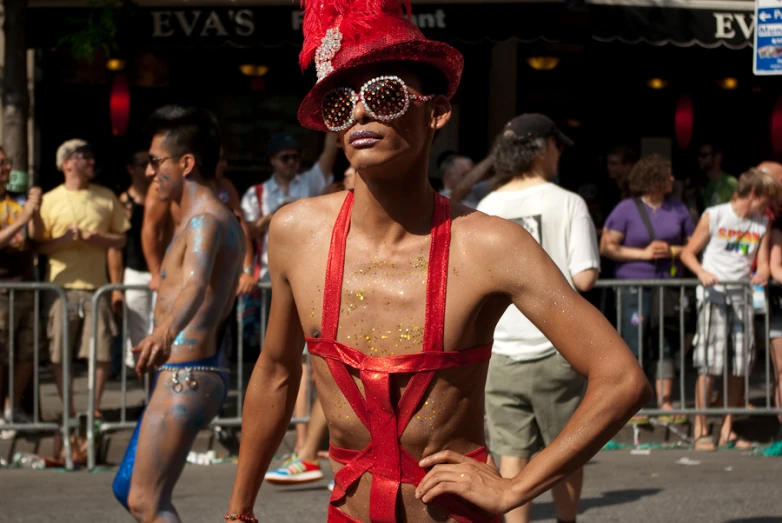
(397, 291)
(162, 217)
(198, 281)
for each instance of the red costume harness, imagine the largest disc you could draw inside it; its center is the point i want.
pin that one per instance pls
(385, 458)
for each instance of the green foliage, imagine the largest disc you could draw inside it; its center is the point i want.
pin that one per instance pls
(98, 31)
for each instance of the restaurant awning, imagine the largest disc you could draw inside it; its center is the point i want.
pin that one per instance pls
(683, 23)
(246, 25)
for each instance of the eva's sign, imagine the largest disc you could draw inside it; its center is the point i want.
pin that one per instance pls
(197, 23)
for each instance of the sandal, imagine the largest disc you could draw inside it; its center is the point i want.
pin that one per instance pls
(704, 444)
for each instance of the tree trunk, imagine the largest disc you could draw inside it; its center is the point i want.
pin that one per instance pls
(16, 99)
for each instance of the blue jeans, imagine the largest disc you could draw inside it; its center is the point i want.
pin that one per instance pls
(632, 322)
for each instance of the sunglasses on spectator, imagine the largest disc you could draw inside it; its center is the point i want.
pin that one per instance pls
(82, 156)
(6, 163)
(156, 161)
(290, 157)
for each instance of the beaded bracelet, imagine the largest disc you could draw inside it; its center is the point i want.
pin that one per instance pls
(240, 517)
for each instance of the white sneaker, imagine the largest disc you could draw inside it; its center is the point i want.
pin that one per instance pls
(6, 435)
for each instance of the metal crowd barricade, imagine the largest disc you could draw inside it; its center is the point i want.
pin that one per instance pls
(37, 425)
(124, 423)
(236, 421)
(659, 286)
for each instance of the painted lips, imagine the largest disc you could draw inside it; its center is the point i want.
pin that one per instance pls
(362, 139)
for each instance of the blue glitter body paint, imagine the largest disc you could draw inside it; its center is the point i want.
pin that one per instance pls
(196, 224)
(163, 274)
(181, 339)
(121, 486)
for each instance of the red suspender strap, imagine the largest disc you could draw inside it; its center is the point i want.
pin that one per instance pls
(260, 241)
(332, 290)
(437, 278)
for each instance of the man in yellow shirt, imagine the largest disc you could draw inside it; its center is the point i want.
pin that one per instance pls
(81, 222)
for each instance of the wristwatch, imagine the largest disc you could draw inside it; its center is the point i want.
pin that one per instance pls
(248, 270)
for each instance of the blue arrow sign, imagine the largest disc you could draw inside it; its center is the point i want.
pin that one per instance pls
(768, 37)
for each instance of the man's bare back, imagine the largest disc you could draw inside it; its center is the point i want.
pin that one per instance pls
(223, 233)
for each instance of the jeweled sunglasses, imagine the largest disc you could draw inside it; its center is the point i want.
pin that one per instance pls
(385, 98)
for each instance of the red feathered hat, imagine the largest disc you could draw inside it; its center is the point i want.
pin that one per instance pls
(344, 34)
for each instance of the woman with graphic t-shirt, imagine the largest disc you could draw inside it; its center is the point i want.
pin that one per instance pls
(645, 236)
(730, 236)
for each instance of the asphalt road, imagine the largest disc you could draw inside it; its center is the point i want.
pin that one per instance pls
(665, 486)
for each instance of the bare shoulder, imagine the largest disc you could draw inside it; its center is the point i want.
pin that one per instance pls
(486, 236)
(495, 248)
(305, 218)
(206, 222)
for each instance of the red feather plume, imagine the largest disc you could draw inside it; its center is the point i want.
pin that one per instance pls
(354, 18)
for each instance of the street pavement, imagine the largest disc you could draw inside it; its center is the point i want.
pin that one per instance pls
(665, 486)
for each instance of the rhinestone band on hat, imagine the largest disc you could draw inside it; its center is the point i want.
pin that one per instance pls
(329, 45)
(177, 385)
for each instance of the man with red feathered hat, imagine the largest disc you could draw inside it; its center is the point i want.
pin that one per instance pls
(401, 331)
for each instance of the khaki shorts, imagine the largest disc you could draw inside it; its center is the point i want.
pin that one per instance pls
(528, 403)
(80, 326)
(24, 327)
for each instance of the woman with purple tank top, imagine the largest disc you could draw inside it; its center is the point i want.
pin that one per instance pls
(645, 236)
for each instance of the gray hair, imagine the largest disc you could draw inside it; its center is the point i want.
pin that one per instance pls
(514, 155)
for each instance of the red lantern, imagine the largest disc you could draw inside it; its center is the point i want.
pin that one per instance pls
(119, 105)
(683, 121)
(776, 127)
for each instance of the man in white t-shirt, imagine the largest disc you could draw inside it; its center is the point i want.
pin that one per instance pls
(286, 185)
(531, 390)
(731, 235)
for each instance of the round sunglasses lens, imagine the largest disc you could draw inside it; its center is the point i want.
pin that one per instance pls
(385, 97)
(337, 107)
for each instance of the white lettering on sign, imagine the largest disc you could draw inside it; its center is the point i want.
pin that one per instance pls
(161, 23)
(211, 23)
(725, 25)
(245, 25)
(767, 30)
(186, 26)
(434, 20)
(297, 20)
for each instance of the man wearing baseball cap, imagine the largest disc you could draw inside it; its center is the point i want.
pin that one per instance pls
(81, 221)
(287, 184)
(532, 391)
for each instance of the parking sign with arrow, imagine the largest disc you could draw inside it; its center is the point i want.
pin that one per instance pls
(768, 37)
